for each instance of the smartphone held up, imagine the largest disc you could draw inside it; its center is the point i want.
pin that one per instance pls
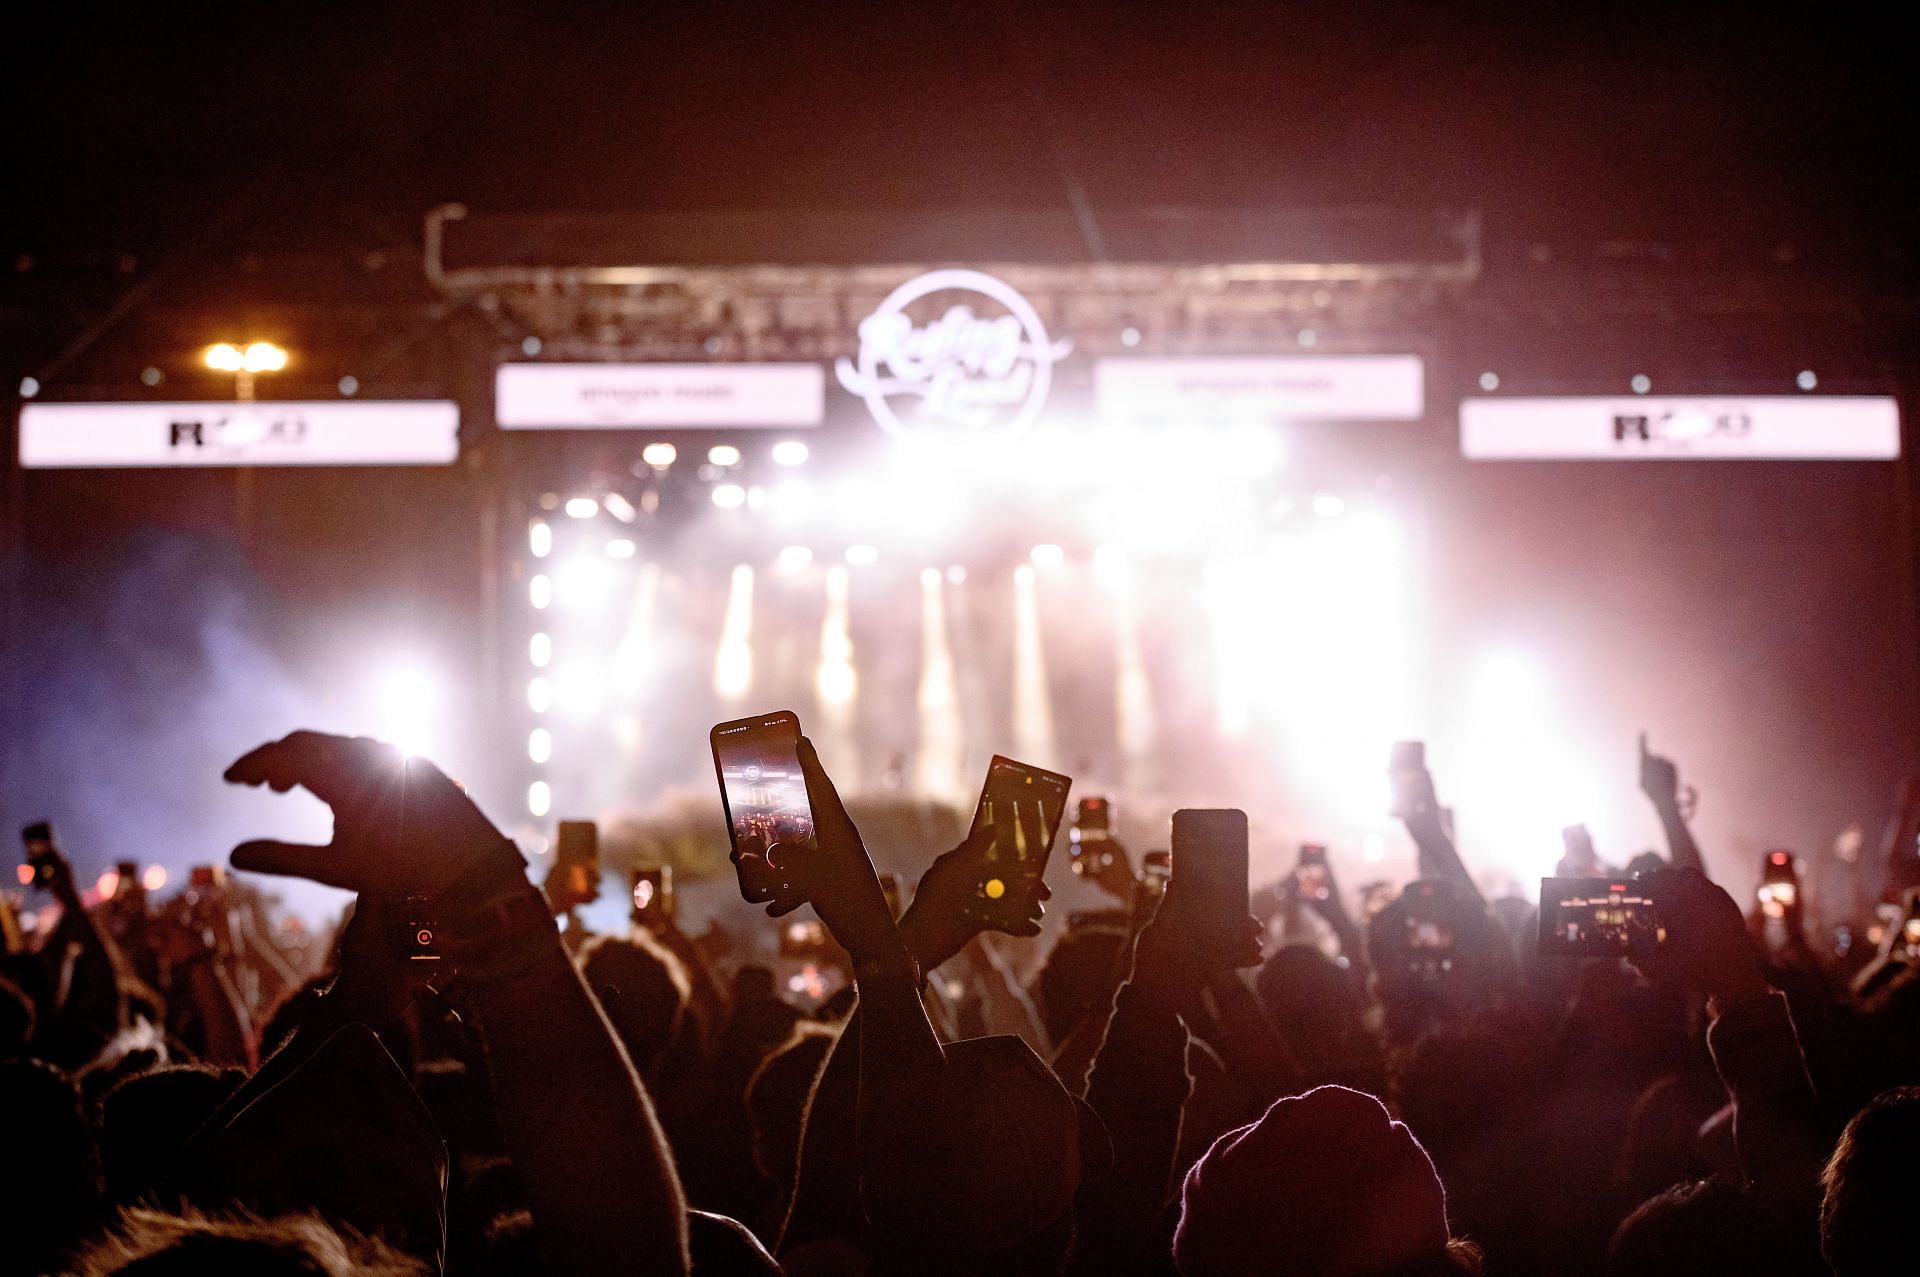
(764, 792)
(1023, 804)
(1209, 871)
(1598, 918)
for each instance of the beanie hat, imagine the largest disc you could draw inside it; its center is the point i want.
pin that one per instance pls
(1325, 1184)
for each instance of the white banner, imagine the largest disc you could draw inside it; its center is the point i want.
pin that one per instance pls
(1284, 388)
(629, 396)
(1697, 427)
(323, 433)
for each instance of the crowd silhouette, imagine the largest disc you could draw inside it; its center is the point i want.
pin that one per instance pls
(1327, 1085)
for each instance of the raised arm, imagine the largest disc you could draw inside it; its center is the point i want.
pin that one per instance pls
(1438, 858)
(1660, 782)
(575, 1117)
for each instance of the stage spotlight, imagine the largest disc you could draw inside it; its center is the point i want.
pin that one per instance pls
(539, 745)
(263, 356)
(937, 774)
(1641, 383)
(862, 555)
(1373, 849)
(349, 385)
(659, 455)
(729, 496)
(530, 345)
(956, 575)
(1129, 336)
(793, 498)
(540, 650)
(619, 507)
(1489, 381)
(539, 539)
(795, 558)
(1806, 380)
(107, 883)
(723, 454)
(582, 507)
(408, 699)
(834, 680)
(539, 798)
(733, 662)
(540, 590)
(1110, 565)
(630, 658)
(539, 695)
(584, 581)
(1132, 693)
(789, 452)
(154, 878)
(577, 690)
(1328, 506)
(1047, 555)
(1251, 450)
(621, 548)
(1032, 707)
(224, 356)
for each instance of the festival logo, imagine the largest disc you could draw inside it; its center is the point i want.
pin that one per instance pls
(974, 366)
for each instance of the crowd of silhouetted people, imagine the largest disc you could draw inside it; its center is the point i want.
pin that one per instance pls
(1403, 1082)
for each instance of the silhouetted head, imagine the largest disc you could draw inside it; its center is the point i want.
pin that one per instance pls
(644, 990)
(1325, 1183)
(1075, 982)
(777, 1096)
(146, 1122)
(153, 1244)
(1708, 1226)
(1870, 1184)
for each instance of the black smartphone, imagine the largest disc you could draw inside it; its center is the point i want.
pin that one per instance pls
(1310, 877)
(1406, 767)
(653, 893)
(1597, 918)
(37, 838)
(1091, 839)
(422, 941)
(576, 861)
(1779, 884)
(1024, 805)
(769, 817)
(1209, 869)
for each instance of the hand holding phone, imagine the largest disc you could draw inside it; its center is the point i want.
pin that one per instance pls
(574, 879)
(1312, 877)
(1412, 794)
(1598, 918)
(652, 891)
(43, 857)
(763, 789)
(1207, 888)
(1779, 893)
(1022, 805)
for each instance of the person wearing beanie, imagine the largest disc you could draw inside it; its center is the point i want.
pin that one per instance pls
(1325, 1184)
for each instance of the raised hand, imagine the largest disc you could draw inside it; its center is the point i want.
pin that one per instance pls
(400, 827)
(836, 876)
(1707, 948)
(945, 912)
(1179, 950)
(1659, 778)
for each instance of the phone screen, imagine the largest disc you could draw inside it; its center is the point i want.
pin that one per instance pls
(765, 795)
(1597, 917)
(577, 856)
(652, 893)
(1210, 865)
(1024, 805)
(1155, 868)
(1311, 876)
(1779, 884)
(1405, 766)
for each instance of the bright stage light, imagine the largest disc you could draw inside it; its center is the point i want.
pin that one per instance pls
(409, 699)
(539, 745)
(619, 507)
(582, 507)
(862, 555)
(956, 575)
(1641, 383)
(729, 496)
(539, 798)
(540, 590)
(1807, 380)
(630, 659)
(659, 455)
(1251, 450)
(733, 661)
(224, 356)
(795, 558)
(1047, 555)
(539, 695)
(1328, 506)
(154, 878)
(584, 581)
(1489, 381)
(794, 498)
(577, 690)
(937, 773)
(539, 539)
(621, 548)
(834, 680)
(723, 454)
(1032, 706)
(1111, 566)
(263, 356)
(107, 883)
(789, 452)
(1132, 693)
(540, 650)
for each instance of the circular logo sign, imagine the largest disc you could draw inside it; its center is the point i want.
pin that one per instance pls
(984, 362)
